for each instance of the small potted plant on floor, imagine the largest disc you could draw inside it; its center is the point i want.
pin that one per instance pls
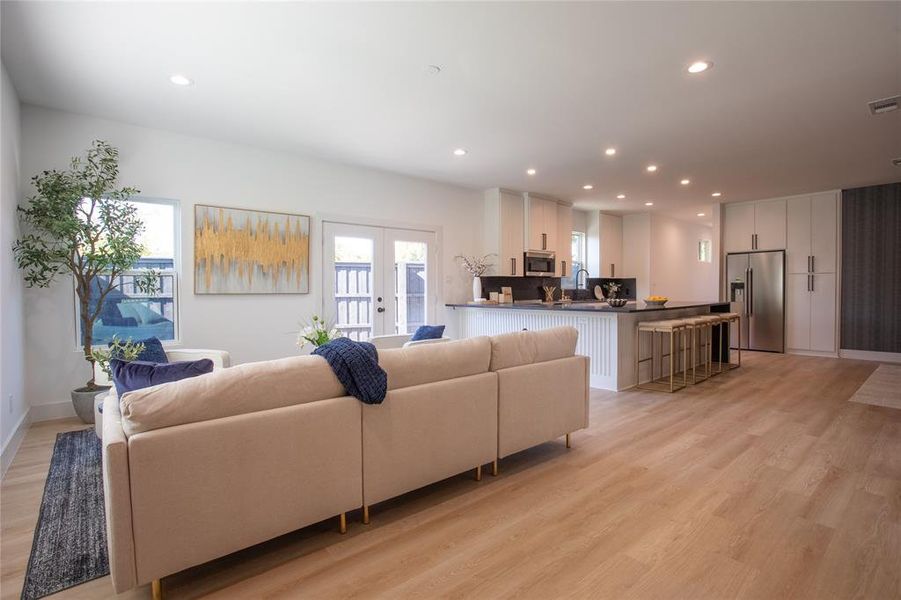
(79, 222)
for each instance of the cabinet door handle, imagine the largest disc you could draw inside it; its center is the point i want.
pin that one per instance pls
(544, 241)
(563, 268)
(612, 270)
(812, 283)
(513, 267)
(808, 264)
(813, 264)
(808, 282)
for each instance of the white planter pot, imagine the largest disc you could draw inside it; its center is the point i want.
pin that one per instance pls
(476, 289)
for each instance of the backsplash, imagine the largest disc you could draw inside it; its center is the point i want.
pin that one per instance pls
(529, 288)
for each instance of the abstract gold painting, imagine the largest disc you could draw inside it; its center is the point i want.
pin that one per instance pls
(240, 251)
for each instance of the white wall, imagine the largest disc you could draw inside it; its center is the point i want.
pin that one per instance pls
(13, 404)
(194, 170)
(675, 270)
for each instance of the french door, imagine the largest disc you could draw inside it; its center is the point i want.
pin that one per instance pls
(378, 280)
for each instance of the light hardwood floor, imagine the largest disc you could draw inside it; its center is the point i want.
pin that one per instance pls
(761, 483)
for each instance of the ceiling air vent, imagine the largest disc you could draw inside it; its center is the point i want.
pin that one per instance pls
(877, 107)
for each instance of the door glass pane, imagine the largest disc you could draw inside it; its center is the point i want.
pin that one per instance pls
(353, 287)
(410, 293)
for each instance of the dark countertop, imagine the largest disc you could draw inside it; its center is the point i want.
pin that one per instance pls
(631, 307)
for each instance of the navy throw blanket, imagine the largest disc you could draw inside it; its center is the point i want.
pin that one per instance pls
(356, 365)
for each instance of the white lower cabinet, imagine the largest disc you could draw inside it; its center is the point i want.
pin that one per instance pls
(810, 312)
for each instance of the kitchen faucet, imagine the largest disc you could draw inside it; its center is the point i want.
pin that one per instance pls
(587, 276)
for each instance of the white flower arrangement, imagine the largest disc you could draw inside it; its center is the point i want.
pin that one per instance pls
(318, 332)
(475, 265)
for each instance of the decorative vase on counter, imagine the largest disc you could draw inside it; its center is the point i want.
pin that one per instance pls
(477, 289)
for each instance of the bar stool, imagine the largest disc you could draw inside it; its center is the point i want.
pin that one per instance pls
(702, 325)
(675, 328)
(727, 319)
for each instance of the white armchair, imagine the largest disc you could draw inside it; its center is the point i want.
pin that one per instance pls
(401, 340)
(220, 358)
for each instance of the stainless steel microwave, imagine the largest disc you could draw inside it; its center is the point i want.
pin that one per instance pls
(539, 263)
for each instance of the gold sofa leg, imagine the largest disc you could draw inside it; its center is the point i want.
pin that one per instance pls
(156, 589)
(568, 441)
(479, 473)
(342, 523)
(365, 515)
(494, 468)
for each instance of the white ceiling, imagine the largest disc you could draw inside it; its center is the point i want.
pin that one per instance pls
(543, 85)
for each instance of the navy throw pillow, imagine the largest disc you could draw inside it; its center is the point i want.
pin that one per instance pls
(130, 376)
(153, 351)
(427, 332)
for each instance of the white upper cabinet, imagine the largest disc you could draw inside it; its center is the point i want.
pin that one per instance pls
(541, 223)
(738, 228)
(812, 233)
(769, 225)
(504, 227)
(754, 226)
(564, 247)
(611, 246)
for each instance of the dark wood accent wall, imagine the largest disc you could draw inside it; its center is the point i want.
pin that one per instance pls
(871, 268)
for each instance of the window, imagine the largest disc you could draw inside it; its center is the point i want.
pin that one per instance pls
(129, 312)
(704, 251)
(579, 252)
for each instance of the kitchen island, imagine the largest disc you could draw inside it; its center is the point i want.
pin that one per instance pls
(606, 334)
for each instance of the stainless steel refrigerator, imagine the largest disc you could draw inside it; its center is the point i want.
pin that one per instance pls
(757, 292)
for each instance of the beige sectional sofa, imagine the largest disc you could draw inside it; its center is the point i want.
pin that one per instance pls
(201, 468)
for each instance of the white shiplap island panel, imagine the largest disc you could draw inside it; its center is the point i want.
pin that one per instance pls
(607, 338)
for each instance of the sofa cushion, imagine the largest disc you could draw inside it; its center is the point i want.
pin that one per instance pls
(136, 375)
(427, 332)
(426, 363)
(527, 347)
(225, 392)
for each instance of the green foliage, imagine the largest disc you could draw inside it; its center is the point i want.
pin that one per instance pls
(79, 222)
(317, 332)
(127, 351)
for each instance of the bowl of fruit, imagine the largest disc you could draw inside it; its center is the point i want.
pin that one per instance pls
(656, 301)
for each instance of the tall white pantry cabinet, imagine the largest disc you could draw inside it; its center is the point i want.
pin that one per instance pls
(807, 228)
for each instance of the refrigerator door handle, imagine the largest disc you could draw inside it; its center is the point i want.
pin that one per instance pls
(813, 264)
(812, 284)
(750, 292)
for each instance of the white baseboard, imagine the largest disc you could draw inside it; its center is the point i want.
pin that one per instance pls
(812, 353)
(886, 357)
(51, 411)
(12, 444)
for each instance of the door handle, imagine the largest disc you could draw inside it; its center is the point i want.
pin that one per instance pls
(513, 266)
(746, 295)
(563, 268)
(808, 282)
(612, 270)
(812, 283)
(381, 309)
(544, 241)
(750, 292)
(808, 264)
(813, 264)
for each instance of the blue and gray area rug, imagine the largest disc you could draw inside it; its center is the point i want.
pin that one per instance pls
(69, 544)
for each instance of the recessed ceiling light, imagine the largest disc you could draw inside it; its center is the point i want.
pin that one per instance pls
(699, 66)
(531, 172)
(649, 204)
(651, 168)
(716, 194)
(621, 196)
(700, 214)
(587, 186)
(433, 69)
(459, 152)
(610, 151)
(685, 181)
(181, 80)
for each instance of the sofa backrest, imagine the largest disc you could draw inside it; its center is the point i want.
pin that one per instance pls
(427, 363)
(237, 390)
(527, 347)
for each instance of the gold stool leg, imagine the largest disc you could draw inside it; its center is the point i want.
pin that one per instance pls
(568, 441)
(672, 372)
(738, 323)
(479, 473)
(156, 589)
(342, 523)
(494, 468)
(365, 515)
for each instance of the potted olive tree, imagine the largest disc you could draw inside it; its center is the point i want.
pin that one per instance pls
(79, 222)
